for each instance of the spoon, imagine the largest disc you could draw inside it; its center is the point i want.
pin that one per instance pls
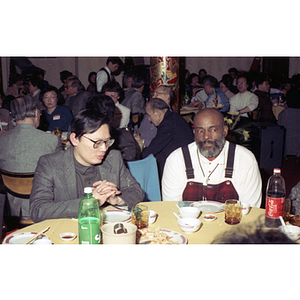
(176, 215)
(283, 224)
(178, 207)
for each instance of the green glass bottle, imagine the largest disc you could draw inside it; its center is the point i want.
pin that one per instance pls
(89, 219)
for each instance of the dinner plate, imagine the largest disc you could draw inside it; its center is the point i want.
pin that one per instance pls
(176, 237)
(20, 237)
(209, 206)
(112, 216)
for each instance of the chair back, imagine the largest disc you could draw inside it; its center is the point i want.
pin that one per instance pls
(145, 173)
(17, 184)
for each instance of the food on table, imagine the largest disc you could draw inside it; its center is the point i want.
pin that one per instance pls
(155, 236)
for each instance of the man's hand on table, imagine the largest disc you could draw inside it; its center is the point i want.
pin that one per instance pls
(105, 191)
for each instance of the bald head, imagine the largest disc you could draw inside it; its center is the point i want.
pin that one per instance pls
(209, 113)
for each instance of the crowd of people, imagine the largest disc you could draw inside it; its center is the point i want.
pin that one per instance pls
(109, 125)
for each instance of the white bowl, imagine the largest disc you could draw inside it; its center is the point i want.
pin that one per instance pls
(293, 232)
(189, 225)
(208, 217)
(189, 212)
(152, 216)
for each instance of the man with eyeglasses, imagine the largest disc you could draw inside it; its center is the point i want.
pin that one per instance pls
(60, 179)
(244, 101)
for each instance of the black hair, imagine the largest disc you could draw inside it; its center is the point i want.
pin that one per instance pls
(51, 88)
(37, 81)
(102, 104)
(90, 75)
(112, 86)
(87, 121)
(114, 60)
(260, 78)
(64, 75)
(191, 76)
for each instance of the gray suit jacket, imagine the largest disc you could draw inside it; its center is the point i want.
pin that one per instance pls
(135, 101)
(54, 192)
(22, 146)
(77, 103)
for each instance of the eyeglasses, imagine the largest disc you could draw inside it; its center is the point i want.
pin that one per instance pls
(98, 144)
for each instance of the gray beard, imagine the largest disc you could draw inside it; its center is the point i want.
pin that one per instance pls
(212, 153)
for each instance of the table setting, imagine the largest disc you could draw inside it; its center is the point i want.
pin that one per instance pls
(165, 222)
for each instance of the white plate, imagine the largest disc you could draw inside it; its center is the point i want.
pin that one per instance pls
(209, 206)
(175, 236)
(112, 216)
(20, 237)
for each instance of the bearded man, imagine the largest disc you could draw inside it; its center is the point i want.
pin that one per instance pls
(211, 168)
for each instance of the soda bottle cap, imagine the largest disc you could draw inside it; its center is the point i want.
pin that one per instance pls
(88, 190)
(277, 170)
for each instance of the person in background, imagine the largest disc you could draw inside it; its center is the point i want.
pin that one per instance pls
(225, 85)
(15, 88)
(60, 178)
(244, 101)
(5, 119)
(192, 84)
(209, 155)
(211, 96)
(35, 85)
(147, 131)
(135, 101)
(202, 73)
(64, 75)
(122, 113)
(233, 72)
(127, 81)
(265, 104)
(76, 95)
(173, 132)
(22, 146)
(54, 115)
(104, 74)
(293, 95)
(92, 80)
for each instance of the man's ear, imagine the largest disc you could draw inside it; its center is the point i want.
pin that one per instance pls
(73, 139)
(225, 129)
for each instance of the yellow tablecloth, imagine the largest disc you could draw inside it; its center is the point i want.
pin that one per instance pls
(277, 110)
(165, 219)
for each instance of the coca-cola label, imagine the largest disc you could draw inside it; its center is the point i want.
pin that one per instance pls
(274, 207)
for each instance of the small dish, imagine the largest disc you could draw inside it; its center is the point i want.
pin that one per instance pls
(293, 232)
(209, 217)
(189, 225)
(67, 236)
(189, 212)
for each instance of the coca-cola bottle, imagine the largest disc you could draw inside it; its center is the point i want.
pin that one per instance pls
(275, 197)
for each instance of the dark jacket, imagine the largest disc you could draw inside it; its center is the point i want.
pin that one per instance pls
(173, 132)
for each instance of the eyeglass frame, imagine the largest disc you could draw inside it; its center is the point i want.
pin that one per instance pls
(100, 142)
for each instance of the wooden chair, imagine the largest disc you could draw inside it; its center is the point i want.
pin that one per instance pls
(19, 185)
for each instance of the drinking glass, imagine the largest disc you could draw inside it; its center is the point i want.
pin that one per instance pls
(287, 209)
(57, 131)
(233, 212)
(139, 215)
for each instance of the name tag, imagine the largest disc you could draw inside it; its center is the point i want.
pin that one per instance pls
(3, 123)
(56, 117)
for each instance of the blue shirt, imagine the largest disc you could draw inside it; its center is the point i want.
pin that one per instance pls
(60, 117)
(223, 99)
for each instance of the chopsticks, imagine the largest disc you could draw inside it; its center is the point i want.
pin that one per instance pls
(33, 238)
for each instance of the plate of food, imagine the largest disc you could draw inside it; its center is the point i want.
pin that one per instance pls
(160, 236)
(21, 237)
(209, 206)
(112, 216)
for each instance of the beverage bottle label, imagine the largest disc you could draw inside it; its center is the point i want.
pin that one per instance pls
(89, 232)
(274, 207)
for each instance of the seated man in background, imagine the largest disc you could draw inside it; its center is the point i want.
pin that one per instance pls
(60, 178)
(22, 146)
(209, 176)
(35, 85)
(147, 131)
(173, 132)
(134, 100)
(244, 101)
(211, 96)
(76, 95)
(265, 103)
(122, 113)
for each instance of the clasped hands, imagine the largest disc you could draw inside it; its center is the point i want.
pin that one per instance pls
(105, 191)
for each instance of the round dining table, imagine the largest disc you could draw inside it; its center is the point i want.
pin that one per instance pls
(208, 231)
